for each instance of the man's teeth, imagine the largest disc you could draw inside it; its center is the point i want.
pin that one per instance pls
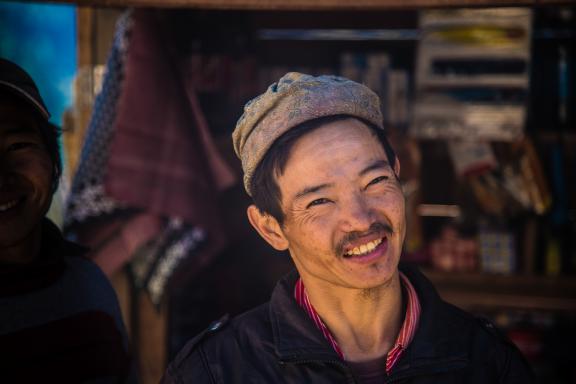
(364, 248)
(8, 205)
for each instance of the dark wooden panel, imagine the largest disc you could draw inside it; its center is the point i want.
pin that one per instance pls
(312, 5)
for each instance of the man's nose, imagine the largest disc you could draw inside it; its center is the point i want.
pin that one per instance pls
(3, 175)
(356, 215)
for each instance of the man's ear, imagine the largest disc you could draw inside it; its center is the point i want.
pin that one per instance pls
(397, 167)
(268, 227)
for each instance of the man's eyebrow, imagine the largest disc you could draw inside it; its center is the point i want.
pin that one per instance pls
(19, 129)
(310, 190)
(376, 165)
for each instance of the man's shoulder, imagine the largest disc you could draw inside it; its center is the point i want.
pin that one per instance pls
(224, 339)
(227, 331)
(448, 316)
(493, 347)
(460, 332)
(84, 287)
(485, 346)
(482, 330)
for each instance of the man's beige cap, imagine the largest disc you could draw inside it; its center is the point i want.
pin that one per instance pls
(293, 100)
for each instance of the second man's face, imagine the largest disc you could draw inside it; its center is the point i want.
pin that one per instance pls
(26, 172)
(344, 207)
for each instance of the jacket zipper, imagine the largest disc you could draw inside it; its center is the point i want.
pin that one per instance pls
(444, 366)
(344, 368)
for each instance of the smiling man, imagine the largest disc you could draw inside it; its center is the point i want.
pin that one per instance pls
(59, 317)
(325, 186)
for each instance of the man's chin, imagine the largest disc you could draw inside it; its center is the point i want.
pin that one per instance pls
(15, 233)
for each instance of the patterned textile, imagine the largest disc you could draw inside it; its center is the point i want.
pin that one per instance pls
(154, 263)
(135, 196)
(88, 199)
(405, 335)
(162, 157)
(295, 99)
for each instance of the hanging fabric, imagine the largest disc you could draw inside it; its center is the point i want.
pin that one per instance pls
(148, 180)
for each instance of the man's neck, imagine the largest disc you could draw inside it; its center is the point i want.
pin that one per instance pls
(365, 323)
(24, 251)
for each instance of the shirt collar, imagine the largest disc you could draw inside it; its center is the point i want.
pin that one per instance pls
(404, 337)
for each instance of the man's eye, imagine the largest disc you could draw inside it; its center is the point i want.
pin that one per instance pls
(21, 145)
(377, 180)
(317, 202)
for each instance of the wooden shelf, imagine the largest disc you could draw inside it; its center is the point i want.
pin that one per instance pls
(486, 291)
(320, 5)
(558, 137)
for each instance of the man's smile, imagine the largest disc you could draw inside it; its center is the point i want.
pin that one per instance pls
(5, 206)
(364, 248)
(361, 244)
(367, 253)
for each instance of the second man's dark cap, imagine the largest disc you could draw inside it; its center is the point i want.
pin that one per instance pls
(16, 80)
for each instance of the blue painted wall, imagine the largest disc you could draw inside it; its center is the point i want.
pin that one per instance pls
(41, 38)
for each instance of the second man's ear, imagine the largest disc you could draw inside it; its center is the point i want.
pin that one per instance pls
(397, 167)
(267, 227)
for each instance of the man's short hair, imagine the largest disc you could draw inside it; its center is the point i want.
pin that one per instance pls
(265, 191)
(51, 136)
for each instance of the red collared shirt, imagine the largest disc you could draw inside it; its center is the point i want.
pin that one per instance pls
(405, 335)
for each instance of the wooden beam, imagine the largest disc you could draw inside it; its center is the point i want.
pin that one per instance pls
(76, 121)
(478, 290)
(152, 343)
(315, 5)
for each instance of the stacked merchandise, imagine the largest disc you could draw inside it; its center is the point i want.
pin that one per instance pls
(496, 175)
(375, 70)
(472, 74)
(472, 88)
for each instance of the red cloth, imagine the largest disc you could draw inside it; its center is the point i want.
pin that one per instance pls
(113, 242)
(405, 335)
(162, 158)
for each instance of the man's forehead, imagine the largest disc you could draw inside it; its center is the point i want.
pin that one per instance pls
(16, 118)
(321, 134)
(348, 146)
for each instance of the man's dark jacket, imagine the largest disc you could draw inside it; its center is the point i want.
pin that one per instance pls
(59, 319)
(278, 343)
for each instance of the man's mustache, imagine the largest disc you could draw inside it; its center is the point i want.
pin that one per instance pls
(375, 228)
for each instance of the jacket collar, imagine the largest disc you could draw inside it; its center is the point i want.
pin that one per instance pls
(295, 335)
(439, 337)
(47, 267)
